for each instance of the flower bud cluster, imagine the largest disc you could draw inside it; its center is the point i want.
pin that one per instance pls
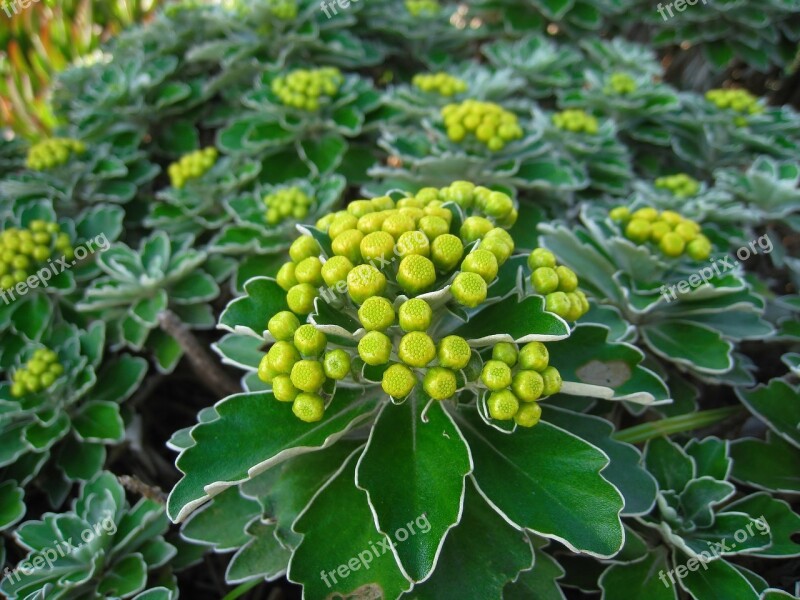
(308, 89)
(287, 203)
(620, 84)
(558, 284)
(38, 374)
(577, 121)
(53, 153)
(487, 122)
(22, 251)
(674, 234)
(192, 166)
(681, 185)
(439, 83)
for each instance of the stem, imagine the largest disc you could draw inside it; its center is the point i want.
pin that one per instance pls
(679, 424)
(242, 589)
(204, 365)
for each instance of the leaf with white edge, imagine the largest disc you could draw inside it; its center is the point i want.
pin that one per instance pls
(470, 565)
(99, 421)
(241, 351)
(774, 516)
(286, 489)
(166, 350)
(514, 320)
(625, 471)
(325, 153)
(643, 579)
(12, 504)
(776, 595)
(262, 557)
(714, 579)
(692, 345)
(32, 315)
(547, 480)
(263, 299)
(725, 534)
(119, 378)
(80, 460)
(768, 465)
(587, 357)
(540, 582)
(711, 457)
(415, 469)
(778, 405)
(125, 577)
(699, 498)
(221, 523)
(339, 536)
(669, 464)
(195, 287)
(254, 432)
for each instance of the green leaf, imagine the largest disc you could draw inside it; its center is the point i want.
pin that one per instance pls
(221, 523)
(778, 405)
(773, 516)
(479, 557)
(119, 378)
(541, 582)
(711, 457)
(414, 469)
(522, 321)
(669, 464)
(342, 552)
(262, 557)
(547, 480)
(263, 299)
(324, 154)
(625, 472)
(699, 498)
(80, 460)
(241, 351)
(690, 344)
(643, 579)
(12, 504)
(195, 287)
(125, 577)
(166, 350)
(253, 433)
(32, 315)
(179, 138)
(99, 421)
(714, 579)
(769, 465)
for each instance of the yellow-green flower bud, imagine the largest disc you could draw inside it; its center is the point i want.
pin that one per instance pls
(446, 251)
(552, 381)
(433, 226)
(282, 357)
(541, 258)
(283, 389)
(300, 298)
(365, 281)
(303, 247)
(377, 246)
(309, 407)
(416, 349)
(439, 383)
(415, 315)
(534, 356)
(567, 280)
(648, 213)
(286, 276)
(558, 303)
(376, 314)
(398, 381)
(672, 244)
(359, 208)
(309, 270)
(454, 352)
(481, 262)
(620, 214)
(347, 244)
(469, 289)
(475, 228)
(413, 242)
(638, 230)
(336, 269)
(308, 375)
(505, 352)
(416, 274)
(699, 248)
(502, 405)
(283, 325)
(527, 385)
(375, 348)
(309, 340)
(496, 375)
(498, 205)
(528, 414)
(336, 364)
(397, 224)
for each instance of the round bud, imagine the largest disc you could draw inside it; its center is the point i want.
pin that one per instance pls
(398, 381)
(342, 222)
(308, 375)
(382, 203)
(285, 277)
(552, 381)
(416, 349)
(309, 407)
(648, 214)
(433, 226)
(688, 230)
(475, 228)
(544, 280)
(671, 218)
(376, 314)
(481, 262)
(454, 352)
(446, 251)
(413, 242)
(265, 372)
(502, 405)
(505, 352)
(557, 303)
(496, 375)
(659, 229)
(309, 340)
(415, 315)
(534, 355)
(620, 214)
(528, 414)
(282, 357)
(303, 247)
(541, 258)
(283, 389)
(347, 244)
(300, 298)
(699, 248)
(638, 230)
(576, 307)
(469, 289)
(365, 281)
(336, 269)
(309, 270)
(397, 224)
(371, 223)
(439, 383)
(375, 348)
(283, 325)
(336, 364)
(527, 385)
(359, 208)
(567, 280)
(460, 192)
(498, 205)
(416, 274)
(376, 246)
(672, 244)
